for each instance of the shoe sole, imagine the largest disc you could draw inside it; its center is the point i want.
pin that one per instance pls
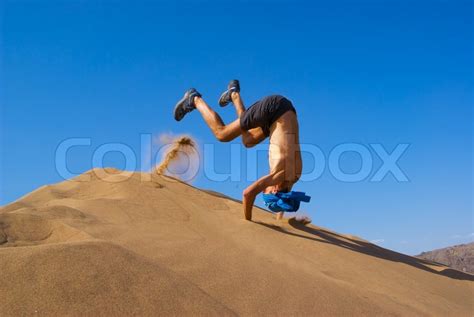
(223, 102)
(178, 105)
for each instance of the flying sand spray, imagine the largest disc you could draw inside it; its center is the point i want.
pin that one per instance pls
(184, 144)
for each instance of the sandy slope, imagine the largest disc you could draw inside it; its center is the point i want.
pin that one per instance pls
(139, 246)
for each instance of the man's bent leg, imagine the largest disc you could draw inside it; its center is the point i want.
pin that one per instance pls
(223, 133)
(250, 137)
(238, 103)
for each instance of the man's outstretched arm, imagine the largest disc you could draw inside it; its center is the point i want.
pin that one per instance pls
(258, 186)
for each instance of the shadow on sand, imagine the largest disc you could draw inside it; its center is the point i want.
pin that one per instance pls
(321, 235)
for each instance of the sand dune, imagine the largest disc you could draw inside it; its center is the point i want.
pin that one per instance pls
(135, 247)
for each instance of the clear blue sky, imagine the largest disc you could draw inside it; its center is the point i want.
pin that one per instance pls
(361, 72)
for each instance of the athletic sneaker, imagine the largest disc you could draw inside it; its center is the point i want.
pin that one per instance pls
(226, 98)
(186, 104)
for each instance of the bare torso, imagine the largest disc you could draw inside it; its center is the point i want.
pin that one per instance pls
(284, 151)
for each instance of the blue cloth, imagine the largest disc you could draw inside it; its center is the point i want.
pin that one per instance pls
(289, 202)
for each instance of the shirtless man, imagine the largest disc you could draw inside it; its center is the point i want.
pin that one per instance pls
(273, 116)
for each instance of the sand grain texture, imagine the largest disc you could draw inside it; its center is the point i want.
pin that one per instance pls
(141, 246)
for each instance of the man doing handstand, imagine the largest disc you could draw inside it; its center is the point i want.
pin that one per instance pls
(274, 117)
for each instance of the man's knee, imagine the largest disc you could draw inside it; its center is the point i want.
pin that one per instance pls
(248, 144)
(222, 136)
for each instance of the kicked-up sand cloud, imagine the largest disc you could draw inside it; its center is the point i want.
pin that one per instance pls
(180, 157)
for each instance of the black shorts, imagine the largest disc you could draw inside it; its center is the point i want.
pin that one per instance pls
(264, 112)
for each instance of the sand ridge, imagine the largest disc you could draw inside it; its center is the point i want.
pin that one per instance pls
(149, 244)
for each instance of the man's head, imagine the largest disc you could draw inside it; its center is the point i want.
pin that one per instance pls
(289, 201)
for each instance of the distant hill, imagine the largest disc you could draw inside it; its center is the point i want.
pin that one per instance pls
(460, 257)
